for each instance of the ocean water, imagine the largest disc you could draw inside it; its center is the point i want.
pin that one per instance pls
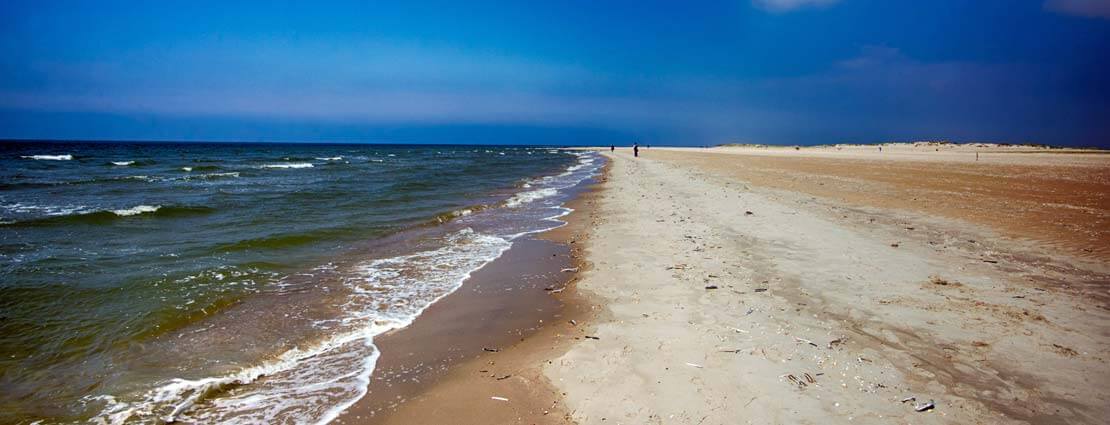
(240, 283)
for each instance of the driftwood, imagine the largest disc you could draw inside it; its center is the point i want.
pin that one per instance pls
(796, 339)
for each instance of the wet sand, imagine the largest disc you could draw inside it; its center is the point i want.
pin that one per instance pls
(499, 305)
(523, 307)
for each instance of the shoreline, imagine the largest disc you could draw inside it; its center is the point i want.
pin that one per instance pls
(417, 382)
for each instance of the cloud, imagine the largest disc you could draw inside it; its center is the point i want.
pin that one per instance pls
(789, 5)
(1085, 8)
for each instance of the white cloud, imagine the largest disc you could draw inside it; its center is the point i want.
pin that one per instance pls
(788, 5)
(1086, 8)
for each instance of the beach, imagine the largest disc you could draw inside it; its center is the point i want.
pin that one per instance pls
(551, 213)
(818, 285)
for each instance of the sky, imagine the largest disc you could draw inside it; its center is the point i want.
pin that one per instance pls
(558, 72)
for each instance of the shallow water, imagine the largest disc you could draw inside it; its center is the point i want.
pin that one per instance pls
(239, 282)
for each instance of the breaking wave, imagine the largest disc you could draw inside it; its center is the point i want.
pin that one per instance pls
(66, 157)
(81, 215)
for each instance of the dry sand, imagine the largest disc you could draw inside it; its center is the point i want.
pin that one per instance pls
(844, 283)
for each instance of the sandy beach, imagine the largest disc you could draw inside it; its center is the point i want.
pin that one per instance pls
(759, 285)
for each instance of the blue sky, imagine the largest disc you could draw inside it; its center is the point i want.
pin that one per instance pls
(573, 72)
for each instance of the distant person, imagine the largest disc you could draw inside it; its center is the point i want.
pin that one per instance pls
(636, 150)
(612, 148)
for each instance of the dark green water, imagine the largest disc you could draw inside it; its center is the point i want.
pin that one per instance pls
(239, 282)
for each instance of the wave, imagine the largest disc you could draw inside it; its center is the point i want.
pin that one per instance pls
(315, 383)
(27, 185)
(123, 163)
(330, 158)
(136, 210)
(278, 242)
(201, 168)
(66, 157)
(289, 165)
(452, 215)
(530, 196)
(210, 176)
(49, 210)
(72, 216)
(116, 180)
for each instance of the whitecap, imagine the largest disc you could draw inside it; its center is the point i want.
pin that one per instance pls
(289, 165)
(186, 169)
(65, 157)
(330, 158)
(136, 210)
(122, 163)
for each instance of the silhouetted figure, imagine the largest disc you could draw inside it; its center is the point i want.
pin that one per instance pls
(612, 148)
(636, 150)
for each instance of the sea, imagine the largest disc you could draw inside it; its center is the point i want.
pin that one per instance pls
(239, 282)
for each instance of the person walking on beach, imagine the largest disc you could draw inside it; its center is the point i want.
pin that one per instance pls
(636, 150)
(612, 148)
